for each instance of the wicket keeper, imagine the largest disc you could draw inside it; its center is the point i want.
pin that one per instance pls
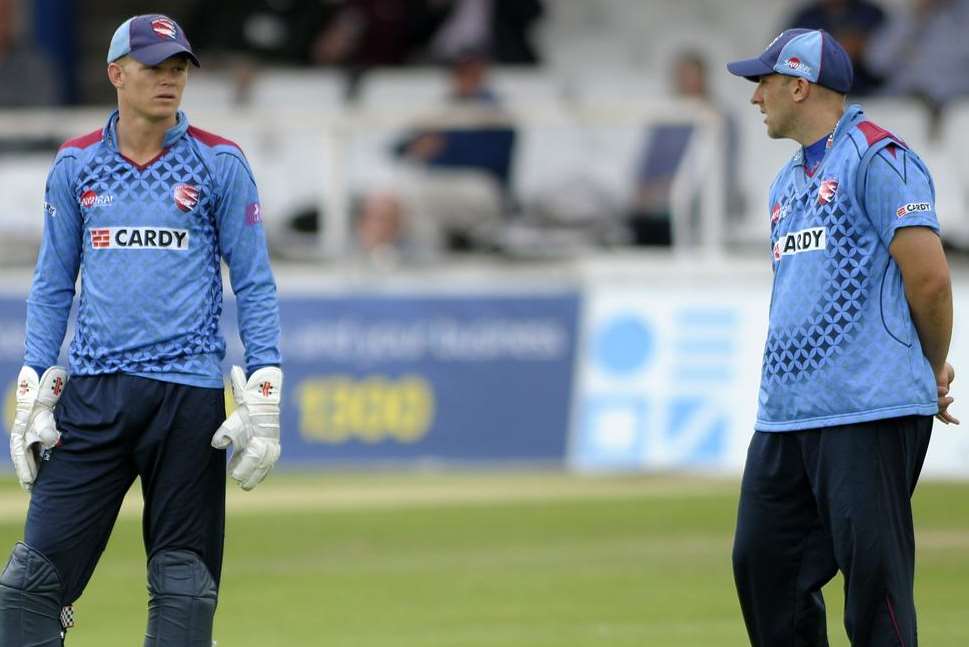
(145, 209)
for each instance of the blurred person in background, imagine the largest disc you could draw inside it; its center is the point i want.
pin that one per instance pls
(855, 362)
(922, 52)
(851, 22)
(665, 150)
(452, 187)
(145, 210)
(27, 76)
(502, 28)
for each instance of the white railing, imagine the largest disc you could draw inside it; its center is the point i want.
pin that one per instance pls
(324, 157)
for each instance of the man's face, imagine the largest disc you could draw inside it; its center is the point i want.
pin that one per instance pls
(773, 96)
(153, 91)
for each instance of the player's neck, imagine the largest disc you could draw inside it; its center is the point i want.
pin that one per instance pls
(141, 139)
(818, 124)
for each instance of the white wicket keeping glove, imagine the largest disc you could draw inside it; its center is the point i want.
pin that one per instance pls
(253, 428)
(33, 425)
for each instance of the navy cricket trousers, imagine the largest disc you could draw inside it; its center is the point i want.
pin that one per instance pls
(818, 501)
(115, 428)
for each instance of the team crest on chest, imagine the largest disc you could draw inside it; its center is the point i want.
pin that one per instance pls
(827, 190)
(186, 196)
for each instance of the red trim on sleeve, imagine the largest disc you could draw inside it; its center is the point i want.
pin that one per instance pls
(84, 140)
(211, 139)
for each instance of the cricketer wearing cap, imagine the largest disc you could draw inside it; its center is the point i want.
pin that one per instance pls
(854, 364)
(146, 209)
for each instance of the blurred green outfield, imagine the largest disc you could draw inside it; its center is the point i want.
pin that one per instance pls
(495, 559)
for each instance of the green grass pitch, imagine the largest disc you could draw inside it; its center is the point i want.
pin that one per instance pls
(489, 559)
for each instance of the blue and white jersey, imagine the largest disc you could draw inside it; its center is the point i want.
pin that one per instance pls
(148, 241)
(842, 347)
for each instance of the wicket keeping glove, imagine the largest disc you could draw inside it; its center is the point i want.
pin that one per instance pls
(33, 428)
(253, 428)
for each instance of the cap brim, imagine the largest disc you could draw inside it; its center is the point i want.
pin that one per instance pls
(750, 68)
(155, 54)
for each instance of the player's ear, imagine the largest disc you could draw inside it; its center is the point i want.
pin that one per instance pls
(116, 73)
(800, 89)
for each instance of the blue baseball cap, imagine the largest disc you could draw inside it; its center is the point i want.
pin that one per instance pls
(811, 54)
(150, 39)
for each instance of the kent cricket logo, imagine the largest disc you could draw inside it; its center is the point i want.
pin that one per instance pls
(139, 238)
(164, 27)
(827, 190)
(806, 240)
(186, 196)
(913, 207)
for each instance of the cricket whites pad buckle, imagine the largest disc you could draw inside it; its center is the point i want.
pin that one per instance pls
(67, 617)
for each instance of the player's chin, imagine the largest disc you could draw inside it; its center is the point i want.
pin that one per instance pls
(162, 110)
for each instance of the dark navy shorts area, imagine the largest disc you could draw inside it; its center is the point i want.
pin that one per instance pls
(116, 428)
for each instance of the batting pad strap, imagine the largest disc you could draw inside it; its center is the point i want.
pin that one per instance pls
(182, 600)
(30, 600)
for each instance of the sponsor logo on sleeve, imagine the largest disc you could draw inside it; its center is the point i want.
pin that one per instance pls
(186, 196)
(779, 212)
(913, 207)
(50, 209)
(92, 200)
(827, 190)
(807, 240)
(139, 238)
(253, 213)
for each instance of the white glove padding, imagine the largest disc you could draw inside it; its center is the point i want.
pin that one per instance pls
(33, 428)
(253, 428)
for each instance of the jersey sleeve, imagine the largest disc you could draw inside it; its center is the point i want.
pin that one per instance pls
(58, 261)
(899, 193)
(243, 246)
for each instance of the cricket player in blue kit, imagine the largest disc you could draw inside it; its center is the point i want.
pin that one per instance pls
(145, 209)
(854, 365)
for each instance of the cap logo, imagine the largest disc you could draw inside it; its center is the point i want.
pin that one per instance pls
(795, 64)
(164, 27)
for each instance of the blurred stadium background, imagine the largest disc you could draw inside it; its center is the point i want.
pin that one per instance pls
(527, 436)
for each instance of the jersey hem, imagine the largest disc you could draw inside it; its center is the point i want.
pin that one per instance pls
(184, 378)
(847, 419)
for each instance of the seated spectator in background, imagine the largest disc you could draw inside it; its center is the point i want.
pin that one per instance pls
(664, 151)
(923, 51)
(452, 186)
(500, 27)
(27, 77)
(851, 22)
(363, 34)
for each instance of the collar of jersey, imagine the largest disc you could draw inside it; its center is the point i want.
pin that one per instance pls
(171, 135)
(852, 115)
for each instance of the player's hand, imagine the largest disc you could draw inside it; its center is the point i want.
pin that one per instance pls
(253, 428)
(944, 380)
(33, 428)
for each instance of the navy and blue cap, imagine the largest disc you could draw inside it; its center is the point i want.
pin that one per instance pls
(811, 54)
(150, 39)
